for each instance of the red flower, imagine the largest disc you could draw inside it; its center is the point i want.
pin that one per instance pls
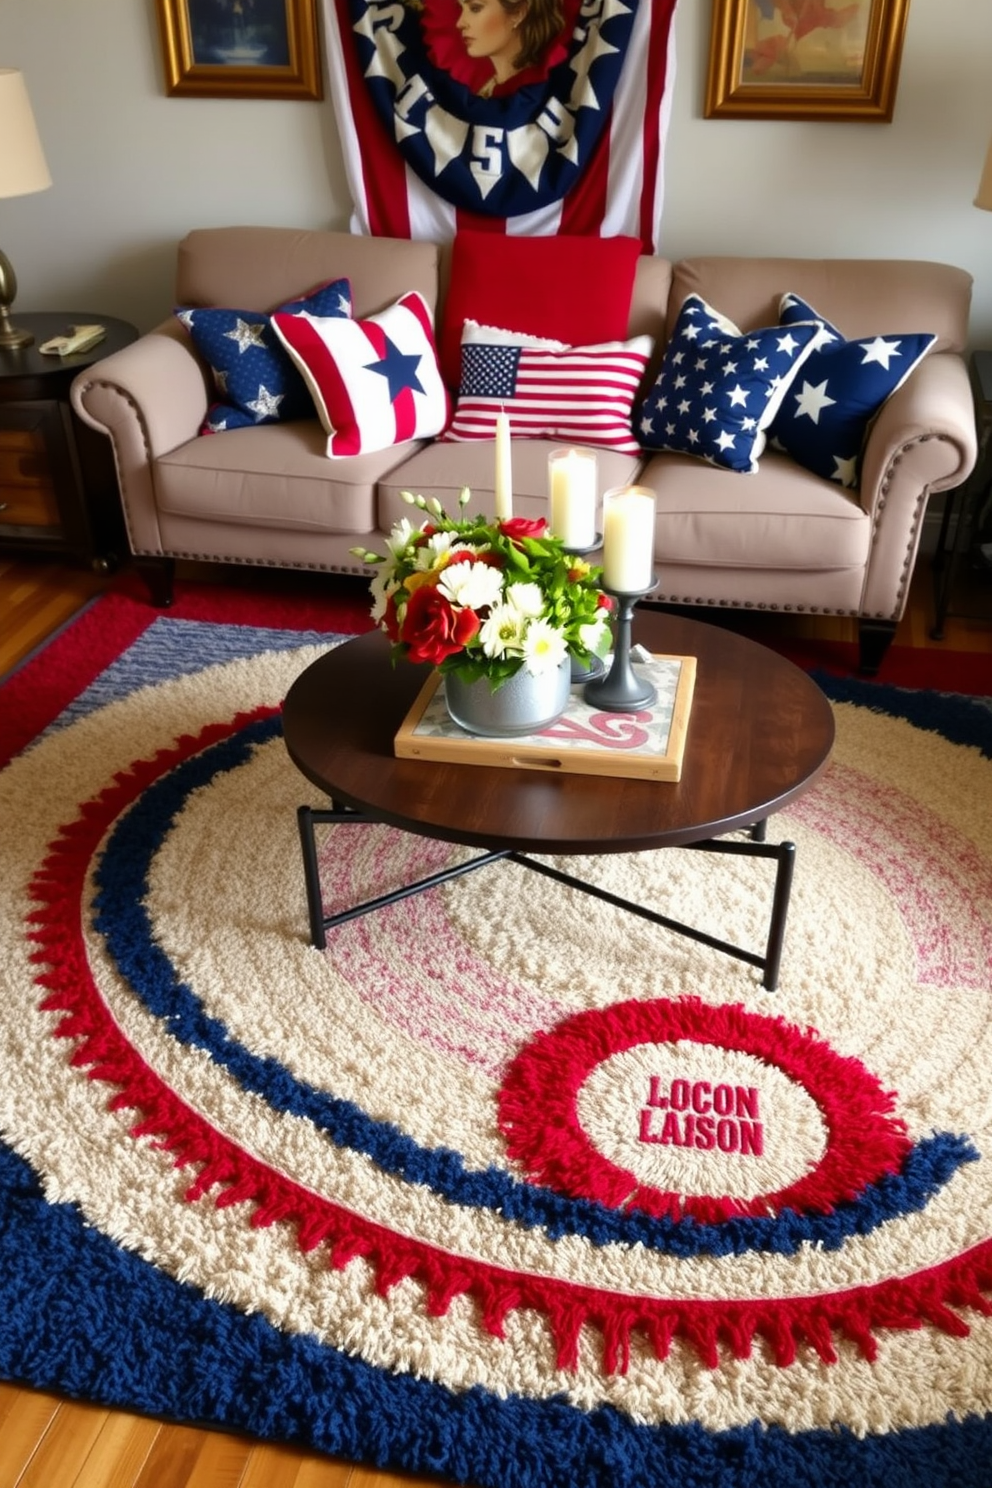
(433, 629)
(465, 555)
(604, 601)
(517, 527)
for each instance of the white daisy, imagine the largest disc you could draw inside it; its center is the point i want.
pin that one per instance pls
(527, 598)
(544, 648)
(502, 633)
(403, 532)
(472, 586)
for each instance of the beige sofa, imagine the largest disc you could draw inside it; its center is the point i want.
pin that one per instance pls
(781, 539)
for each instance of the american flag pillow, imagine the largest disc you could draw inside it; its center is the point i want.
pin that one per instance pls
(575, 394)
(375, 382)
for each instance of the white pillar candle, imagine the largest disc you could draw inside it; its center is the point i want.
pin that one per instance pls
(572, 479)
(628, 539)
(504, 479)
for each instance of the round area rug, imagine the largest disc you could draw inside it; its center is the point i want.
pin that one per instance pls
(504, 1185)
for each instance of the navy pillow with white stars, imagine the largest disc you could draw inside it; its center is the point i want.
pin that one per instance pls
(823, 422)
(719, 388)
(255, 379)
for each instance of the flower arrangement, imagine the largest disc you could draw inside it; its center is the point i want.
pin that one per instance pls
(485, 599)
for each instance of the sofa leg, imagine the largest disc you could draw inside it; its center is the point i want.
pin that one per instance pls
(874, 639)
(158, 574)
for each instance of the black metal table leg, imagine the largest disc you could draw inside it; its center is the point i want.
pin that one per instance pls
(780, 910)
(753, 846)
(320, 923)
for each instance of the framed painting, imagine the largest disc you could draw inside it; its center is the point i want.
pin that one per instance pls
(241, 48)
(805, 59)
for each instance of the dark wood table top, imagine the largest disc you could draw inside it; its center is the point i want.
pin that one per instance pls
(27, 372)
(760, 732)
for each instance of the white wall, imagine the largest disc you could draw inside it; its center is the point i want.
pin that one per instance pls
(133, 169)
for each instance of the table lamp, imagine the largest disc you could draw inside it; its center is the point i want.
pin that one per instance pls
(984, 197)
(22, 170)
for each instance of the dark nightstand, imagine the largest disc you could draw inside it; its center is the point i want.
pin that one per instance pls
(58, 487)
(973, 502)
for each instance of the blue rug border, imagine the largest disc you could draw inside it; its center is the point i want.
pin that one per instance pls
(959, 717)
(84, 1317)
(204, 1363)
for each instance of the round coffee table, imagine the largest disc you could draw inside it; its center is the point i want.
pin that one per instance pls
(760, 733)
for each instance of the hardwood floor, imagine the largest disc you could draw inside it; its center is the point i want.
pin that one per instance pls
(48, 1442)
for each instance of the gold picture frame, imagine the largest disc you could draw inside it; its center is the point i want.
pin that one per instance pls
(241, 48)
(763, 66)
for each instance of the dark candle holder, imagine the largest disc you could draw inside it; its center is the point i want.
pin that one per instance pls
(621, 690)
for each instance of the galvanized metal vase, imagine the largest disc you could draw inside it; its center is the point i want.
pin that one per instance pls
(523, 705)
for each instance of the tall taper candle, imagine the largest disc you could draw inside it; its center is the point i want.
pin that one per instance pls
(504, 479)
(628, 540)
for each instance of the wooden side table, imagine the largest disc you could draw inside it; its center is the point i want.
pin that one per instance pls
(58, 486)
(973, 500)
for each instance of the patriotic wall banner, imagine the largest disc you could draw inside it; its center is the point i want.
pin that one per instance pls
(532, 117)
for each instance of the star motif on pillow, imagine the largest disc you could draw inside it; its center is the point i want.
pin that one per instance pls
(880, 351)
(247, 333)
(266, 404)
(811, 401)
(399, 369)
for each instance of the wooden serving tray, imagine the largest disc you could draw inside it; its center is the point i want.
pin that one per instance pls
(647, 744)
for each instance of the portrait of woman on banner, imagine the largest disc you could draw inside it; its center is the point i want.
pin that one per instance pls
(495, 47)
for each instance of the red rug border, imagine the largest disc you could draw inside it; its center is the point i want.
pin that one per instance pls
(104, 628)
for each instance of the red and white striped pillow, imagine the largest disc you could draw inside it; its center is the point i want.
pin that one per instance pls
(375, 382)
(576, 394)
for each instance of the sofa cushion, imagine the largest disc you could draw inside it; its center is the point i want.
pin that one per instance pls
(783, 519)
(575, 394)
(276, 476)
(719, 388)
(825, 415)
(255, 380)
(564, 288)
(375, 382)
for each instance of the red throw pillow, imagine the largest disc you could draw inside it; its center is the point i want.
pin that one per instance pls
(576, 290)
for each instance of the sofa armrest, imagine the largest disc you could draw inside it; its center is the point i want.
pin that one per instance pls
(148, 399)
(934, 403)
(158, 379)
(923, 440)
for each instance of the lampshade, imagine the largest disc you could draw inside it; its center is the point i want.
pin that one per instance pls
(22, 170)
(22, 160)
(984, 197)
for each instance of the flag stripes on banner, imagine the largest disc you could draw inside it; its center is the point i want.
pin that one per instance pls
(438, 133)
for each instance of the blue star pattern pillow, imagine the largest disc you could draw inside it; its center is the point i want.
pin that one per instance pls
(256, 382)
(375, 382)
(823, 421)
(719, 388)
